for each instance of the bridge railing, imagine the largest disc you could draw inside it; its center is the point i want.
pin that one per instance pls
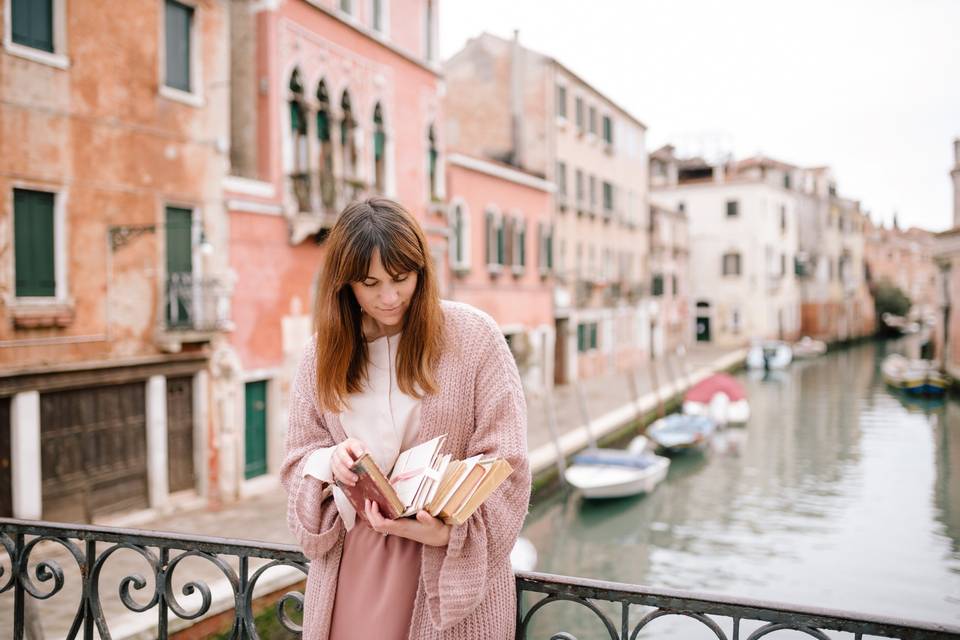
(39, 560)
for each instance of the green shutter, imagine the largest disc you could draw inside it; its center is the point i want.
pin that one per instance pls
(34, 243)
(488, 230)
(32, 23)
(523, 245)
(550, 249)
(379, 140)
(500, 243)
(581, 338)
(323, 126)
(178, 19)
(179, 261)
(593, 335)
(255, 436)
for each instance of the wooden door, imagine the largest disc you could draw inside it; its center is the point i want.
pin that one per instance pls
(93, 447)
(180, 442)
(255, 450)
(6, 474)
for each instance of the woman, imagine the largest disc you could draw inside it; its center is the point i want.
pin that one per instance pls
(392, 366)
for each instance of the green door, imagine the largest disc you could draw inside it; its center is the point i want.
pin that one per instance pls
(255, 451)
(179, 266)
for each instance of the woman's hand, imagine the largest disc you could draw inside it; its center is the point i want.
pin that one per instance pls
(425, 529)
(344, 456)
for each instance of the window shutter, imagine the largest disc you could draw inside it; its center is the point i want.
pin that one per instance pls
(34, 243)
(32, 23)
(488, 234)
(177, 40)
(323, 126)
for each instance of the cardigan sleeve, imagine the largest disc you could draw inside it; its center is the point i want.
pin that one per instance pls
(312, 515)
(455, 577)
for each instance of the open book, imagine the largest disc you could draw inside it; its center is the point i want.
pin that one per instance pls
(423, 478)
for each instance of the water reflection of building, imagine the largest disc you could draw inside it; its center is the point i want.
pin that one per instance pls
(947, 463)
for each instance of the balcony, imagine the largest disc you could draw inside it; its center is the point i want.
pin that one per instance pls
(196, 307)
(224, 580)
(316, 201)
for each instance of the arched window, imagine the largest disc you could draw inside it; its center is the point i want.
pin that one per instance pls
(298, 130)
(432, 164)
(379, 150)
(348, 145)
(328, 191)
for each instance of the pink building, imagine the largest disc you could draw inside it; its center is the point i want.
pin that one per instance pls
(501, 256)
(330, 100)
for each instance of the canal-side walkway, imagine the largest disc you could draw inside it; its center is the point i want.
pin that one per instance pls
(611, 401)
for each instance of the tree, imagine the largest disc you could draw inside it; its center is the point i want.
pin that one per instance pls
(889, 298)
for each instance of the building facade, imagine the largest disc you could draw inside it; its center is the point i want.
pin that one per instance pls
(330, 100)
(114, 291)
(510, 104)
(669, 268)
(743, 220)
(905, 259)
(500, 256)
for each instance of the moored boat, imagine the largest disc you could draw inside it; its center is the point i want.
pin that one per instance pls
(920, 377)
(719, 397)
(678, 433)
(615, 473)
(807, 347)
(769, 354)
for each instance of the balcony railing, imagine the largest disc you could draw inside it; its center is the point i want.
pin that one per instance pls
(38, 559)
(196, 303)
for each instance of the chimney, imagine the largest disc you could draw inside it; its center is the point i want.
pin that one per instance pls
(516, 99)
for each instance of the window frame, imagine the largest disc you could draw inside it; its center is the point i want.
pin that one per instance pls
(60, 258)
(560, 106)
(459, 263)
(493, 239)
(59, 58)
(518, 243)
(384, 30)
(732, 209)
(194, 97)
(739, 262)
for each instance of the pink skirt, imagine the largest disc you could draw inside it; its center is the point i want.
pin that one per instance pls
(376, 585)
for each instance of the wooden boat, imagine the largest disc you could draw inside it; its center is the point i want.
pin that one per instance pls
(921, 377)
(719, 397)
(679, 433)
(615, 473)
(769, 354)
(807, 347)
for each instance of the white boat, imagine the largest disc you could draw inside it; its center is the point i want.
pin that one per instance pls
(719, 397)
(677, 433)
(523, 556)
(807, 347)
(615, 473)
(770, 354)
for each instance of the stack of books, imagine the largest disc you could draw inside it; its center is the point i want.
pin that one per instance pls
(424, 478)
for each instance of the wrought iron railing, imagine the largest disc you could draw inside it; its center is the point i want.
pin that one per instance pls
(196, 303)
(38, 558)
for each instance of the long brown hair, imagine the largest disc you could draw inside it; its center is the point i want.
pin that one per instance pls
(365, 226)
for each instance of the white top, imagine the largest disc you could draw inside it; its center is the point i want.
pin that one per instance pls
(382, 417)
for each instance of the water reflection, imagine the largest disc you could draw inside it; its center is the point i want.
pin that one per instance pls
(837, 493)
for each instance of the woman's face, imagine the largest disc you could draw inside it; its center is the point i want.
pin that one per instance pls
(383, 297)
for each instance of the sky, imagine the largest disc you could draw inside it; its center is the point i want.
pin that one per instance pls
(869, 88)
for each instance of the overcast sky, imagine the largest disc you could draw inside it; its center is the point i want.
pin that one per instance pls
(868, 87)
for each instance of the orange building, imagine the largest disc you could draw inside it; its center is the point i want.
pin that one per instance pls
(501, 256)
(113, 148)
(330, 100)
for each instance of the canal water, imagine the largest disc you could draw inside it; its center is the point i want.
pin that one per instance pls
(838, 493)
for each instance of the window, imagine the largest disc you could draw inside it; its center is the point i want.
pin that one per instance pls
(586, 336)
(608, 130)
(786, 180)
(578, 106)
(607, 198)
(545, 243)
(783, 264)
(376, 15)
(432, 164)
(656, 287)
(379, 147)
(180, 284)
(494, 240)
(178, 25)
(32, 23)
(325, 164)
(682, 206)
(562, 178)
(593, 194)
(346, 6)
(460, 230)
(731, 264)
(579, 187)
(299, 173)
(348, 143)
(429, 47)
(733, 208)
(673, 285)
(518, 244)
(561, 101)
(34, 244)
(783, 218)
(593, 120)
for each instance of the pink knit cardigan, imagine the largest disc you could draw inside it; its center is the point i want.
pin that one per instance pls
(467, 588)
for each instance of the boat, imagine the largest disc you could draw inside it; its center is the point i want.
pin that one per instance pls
(807, 347)
(523, 556)
(769, 354)
(920, 377)
(719, 397)
(615, 473)
(679, 433)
